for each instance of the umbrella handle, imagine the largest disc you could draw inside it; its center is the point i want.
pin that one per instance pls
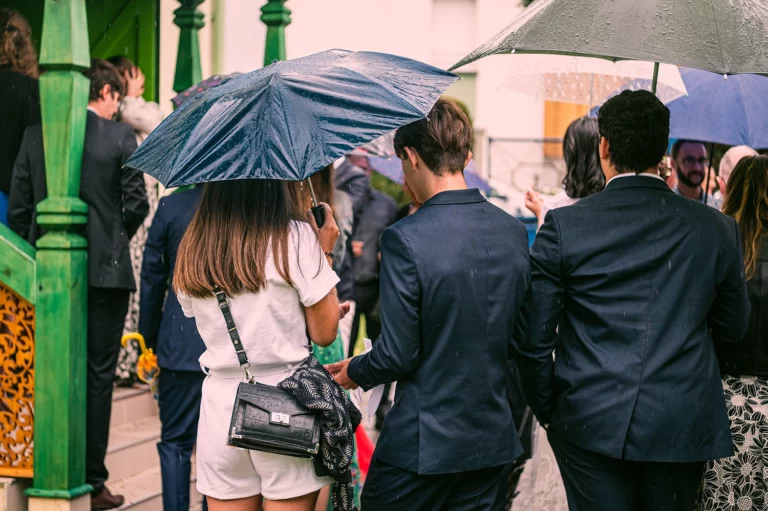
(317, 211)
(135, 336)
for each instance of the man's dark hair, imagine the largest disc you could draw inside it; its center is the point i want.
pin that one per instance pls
(442, 140)
(636, 125)
(103, 73)
(679, 145)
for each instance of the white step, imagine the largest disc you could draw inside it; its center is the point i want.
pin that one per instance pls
(129, 405)
(133, 448)
(143, 491)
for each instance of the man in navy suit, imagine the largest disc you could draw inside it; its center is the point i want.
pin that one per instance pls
(454, 276)
(178, 345)
(633, 288)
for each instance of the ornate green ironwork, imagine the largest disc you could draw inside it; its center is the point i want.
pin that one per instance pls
(188, 68)
(61, 274)
(276, 16)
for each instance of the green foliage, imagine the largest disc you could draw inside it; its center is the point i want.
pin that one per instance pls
(391, 188)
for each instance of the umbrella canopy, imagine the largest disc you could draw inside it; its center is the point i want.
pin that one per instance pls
(392, 169)
(289, 119)
(731, 112)
(588, 81)
(722, 36)
(203, 86)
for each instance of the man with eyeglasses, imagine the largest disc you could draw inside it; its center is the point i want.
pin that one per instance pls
(690, 163)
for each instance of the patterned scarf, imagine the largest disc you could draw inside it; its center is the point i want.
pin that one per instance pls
(315, 388)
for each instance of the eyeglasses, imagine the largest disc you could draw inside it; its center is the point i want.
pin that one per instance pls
(690, 161)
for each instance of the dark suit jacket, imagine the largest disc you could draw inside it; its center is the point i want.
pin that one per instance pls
(751, 357)
(172, 335)
(453, 278)
(19, 108)
(116, 197)
(632, 288)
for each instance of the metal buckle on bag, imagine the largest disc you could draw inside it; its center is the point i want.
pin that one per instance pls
(282, 419)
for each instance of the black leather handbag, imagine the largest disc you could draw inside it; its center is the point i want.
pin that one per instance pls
(267, 418)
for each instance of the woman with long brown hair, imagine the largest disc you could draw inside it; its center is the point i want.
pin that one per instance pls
(251, 239)
(738, 482)
(19, 96)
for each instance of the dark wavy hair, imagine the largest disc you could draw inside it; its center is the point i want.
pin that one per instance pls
(581, 151)
(17, 53)
(636, 125)
(746, 200)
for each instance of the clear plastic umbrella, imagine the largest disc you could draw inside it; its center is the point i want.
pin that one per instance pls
(588, 81)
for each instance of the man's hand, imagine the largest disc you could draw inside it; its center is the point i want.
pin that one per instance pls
(339, 373)
(357, 248)
(134, 80)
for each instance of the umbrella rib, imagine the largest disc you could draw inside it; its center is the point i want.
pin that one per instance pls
(717, 31)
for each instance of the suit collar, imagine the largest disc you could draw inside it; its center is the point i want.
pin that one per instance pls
(471, 195)
(637, 182)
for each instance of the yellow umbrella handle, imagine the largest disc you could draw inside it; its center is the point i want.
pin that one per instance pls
(138, 337)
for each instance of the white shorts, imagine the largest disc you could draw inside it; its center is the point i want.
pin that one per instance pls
(225, 472)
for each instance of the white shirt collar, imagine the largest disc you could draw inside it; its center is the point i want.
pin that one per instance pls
(644, 174)
(90, 108)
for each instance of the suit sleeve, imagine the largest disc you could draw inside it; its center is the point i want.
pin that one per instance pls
(21, 203)
(729, 315)
(155, 273)
(396, 352)
(533, 347)
(135, 204)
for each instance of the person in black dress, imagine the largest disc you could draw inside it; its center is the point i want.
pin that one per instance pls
(19, 96)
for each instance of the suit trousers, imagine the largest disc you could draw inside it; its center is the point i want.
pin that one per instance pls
(389, 488)
(180, 394)
(107, 309)
(594, 482)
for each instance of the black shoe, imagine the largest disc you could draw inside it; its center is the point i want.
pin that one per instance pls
(105, 500)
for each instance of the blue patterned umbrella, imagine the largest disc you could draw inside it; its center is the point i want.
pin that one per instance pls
(289, 119)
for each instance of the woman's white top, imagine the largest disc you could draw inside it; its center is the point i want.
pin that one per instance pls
(271, 322)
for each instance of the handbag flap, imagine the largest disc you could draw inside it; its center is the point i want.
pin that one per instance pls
(270, 399)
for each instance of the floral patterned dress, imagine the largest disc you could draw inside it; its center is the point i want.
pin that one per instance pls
(740, 483)
(126, 362)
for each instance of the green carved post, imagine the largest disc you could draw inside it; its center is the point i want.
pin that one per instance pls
(61, 260)
(190, 21)
(276, 16)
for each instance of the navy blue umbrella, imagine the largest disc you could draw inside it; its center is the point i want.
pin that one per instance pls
(732, 111)
(289, 119)
(392, 169)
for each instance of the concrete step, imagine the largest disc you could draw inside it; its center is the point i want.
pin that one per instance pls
(133, 448)
(143, 491)
(132, 404)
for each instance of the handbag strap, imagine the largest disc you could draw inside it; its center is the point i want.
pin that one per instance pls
(234, 336)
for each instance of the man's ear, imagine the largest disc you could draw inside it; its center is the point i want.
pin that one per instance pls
(412, 156)
(469, 157)
(106, 92)
(605, 148)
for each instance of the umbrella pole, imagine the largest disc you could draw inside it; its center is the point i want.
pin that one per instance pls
(317, 211)
(655, 77)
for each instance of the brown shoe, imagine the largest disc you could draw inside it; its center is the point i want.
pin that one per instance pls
(105, 500)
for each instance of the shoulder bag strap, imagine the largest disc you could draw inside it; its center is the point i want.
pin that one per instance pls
(234, 336)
